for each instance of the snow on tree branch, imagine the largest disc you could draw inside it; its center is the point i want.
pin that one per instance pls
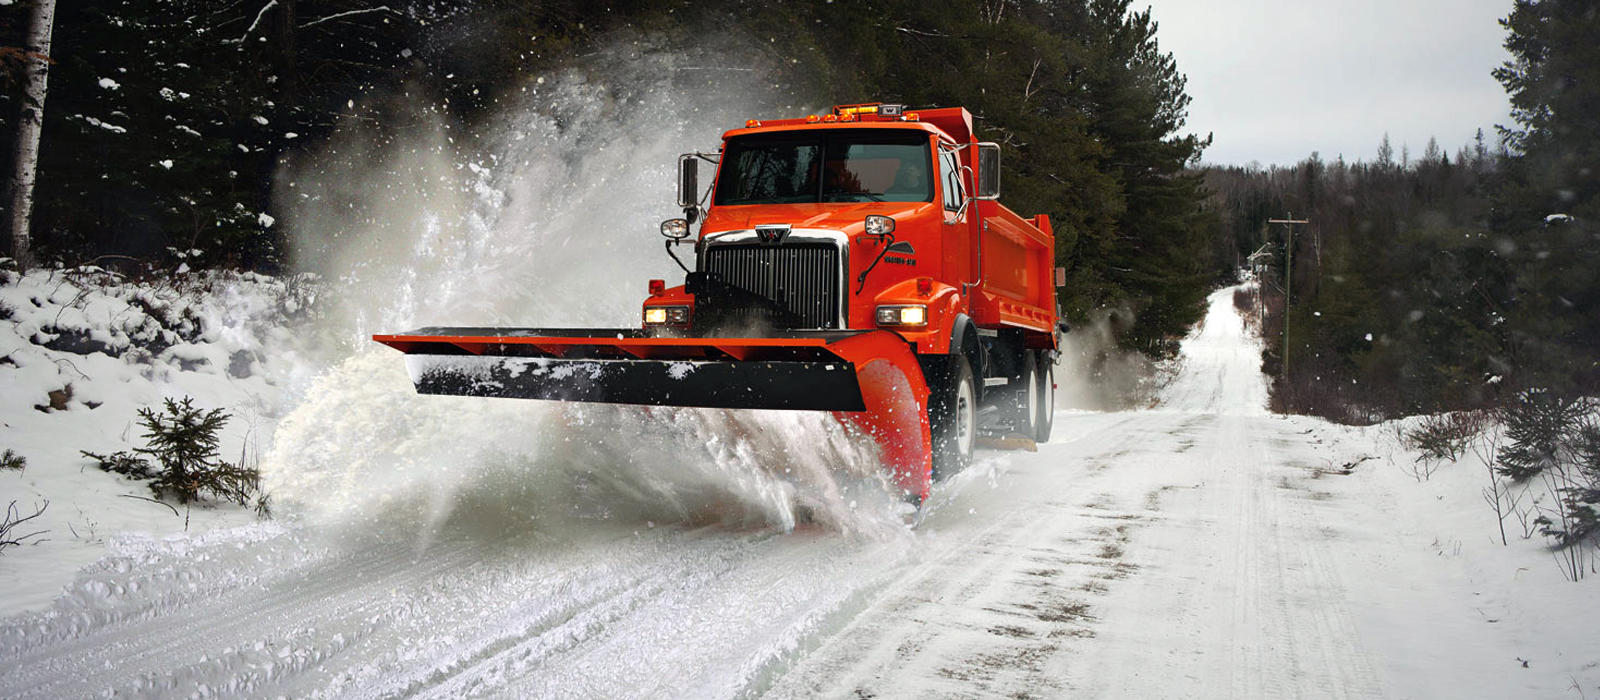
(338, 15)
(259, 14)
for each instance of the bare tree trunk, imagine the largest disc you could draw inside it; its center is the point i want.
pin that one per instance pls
(284, 59)
(26, 157)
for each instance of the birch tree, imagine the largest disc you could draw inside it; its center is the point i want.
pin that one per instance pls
(26, 156)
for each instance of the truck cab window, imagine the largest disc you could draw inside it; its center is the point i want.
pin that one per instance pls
(770, 173)
(950, 177)
(856, 165)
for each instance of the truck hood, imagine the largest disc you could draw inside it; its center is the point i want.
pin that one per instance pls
(846, 217)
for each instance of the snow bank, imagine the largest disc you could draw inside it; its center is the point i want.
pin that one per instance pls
(81, 351)
(1436, 588)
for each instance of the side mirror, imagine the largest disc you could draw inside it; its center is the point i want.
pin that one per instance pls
(989, 171)
(688, 181)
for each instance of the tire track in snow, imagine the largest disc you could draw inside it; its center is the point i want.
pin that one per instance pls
(164, 645)
(1142, 554)
(1237, 597)
(1000, 603)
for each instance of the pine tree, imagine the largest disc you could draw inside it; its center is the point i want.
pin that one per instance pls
(1539, 424)
(1432, 154)
(1550, 204)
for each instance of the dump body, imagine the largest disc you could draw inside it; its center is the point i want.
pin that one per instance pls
(854, 263)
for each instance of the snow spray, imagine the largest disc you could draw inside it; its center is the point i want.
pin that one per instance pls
(545, 216)
(1095, 373)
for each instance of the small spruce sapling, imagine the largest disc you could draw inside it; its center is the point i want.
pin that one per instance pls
(1582, 496)
(182, 442)
(1538, 423)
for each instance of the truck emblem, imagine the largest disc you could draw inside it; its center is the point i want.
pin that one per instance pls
(772, 233)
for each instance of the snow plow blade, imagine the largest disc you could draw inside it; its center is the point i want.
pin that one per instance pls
(798, 372)
(869, 379)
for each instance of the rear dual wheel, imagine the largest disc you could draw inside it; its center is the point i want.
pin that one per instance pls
(1044, 393)
(1032, 396)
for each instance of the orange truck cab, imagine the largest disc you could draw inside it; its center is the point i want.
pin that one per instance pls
(856, 262)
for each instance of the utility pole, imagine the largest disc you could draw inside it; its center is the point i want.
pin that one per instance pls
(1289, 223)
(1258, 268)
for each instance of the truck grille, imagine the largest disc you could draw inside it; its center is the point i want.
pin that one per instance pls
(802, 278)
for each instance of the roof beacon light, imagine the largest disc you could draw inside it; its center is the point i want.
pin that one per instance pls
(873, 111)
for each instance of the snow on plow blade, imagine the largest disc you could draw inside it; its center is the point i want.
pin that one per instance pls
(869, 379)
(625, 366)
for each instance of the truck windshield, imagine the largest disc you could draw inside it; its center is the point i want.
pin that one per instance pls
(837, 166)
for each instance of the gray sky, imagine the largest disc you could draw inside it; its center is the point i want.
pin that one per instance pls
(1278, 79)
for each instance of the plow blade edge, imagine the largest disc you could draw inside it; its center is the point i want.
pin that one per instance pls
(868, 379)
(814, 386)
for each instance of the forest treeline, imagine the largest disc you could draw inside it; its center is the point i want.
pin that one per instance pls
(167, 120)
(1449, 281)
(1421, 284)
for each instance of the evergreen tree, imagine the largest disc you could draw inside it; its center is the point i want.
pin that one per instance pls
(171, 119)
(1549, 208)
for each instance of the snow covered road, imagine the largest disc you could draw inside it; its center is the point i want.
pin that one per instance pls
(1157, 553)
(1200, 549)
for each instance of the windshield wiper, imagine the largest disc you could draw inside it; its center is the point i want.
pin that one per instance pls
(837, 197)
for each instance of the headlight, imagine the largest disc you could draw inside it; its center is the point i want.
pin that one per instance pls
(903, 315)
(879, 225)
(666, 316)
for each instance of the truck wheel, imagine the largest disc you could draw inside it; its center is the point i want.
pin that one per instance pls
(1022, 396)
(953, 418)
(1046, 393)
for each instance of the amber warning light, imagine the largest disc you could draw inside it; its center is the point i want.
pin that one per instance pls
(849, 112)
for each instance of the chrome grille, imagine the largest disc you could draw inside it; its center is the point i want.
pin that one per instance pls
(803, 278)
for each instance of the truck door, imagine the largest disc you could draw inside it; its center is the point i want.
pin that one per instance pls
(957, 236)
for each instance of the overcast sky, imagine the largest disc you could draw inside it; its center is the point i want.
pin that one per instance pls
(1276, 80)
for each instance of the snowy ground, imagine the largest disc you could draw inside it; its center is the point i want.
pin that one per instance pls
(1201, 549)
(81, 351)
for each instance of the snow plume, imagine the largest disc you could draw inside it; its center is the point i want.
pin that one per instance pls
(546, 214)
(1094, 373)
(366, 451)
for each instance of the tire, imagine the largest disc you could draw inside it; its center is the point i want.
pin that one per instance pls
(1046, 393)
(953, 417)
(1022, 396)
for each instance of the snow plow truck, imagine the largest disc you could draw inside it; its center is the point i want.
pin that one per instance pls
(856, 262)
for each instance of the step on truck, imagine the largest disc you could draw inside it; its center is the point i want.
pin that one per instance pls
(856, 262)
